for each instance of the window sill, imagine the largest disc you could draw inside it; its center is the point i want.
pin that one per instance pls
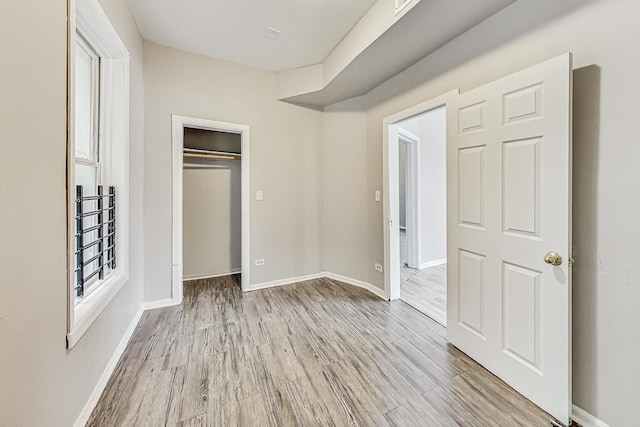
(88, 310)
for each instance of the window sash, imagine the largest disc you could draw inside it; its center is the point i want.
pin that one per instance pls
(91, 158)
(93, 153)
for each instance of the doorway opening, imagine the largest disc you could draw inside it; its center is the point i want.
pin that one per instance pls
(422, 203)
(211, 204)
(210, 228)
(416, 205)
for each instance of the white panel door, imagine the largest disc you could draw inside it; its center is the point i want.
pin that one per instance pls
(509, 205)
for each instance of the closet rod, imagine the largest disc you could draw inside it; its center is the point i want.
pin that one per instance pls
(223, 153)
(211, 156)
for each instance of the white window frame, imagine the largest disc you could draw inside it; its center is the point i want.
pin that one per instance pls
(88, 19)
(96, 158)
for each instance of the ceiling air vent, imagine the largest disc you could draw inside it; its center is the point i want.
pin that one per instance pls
(401, 4)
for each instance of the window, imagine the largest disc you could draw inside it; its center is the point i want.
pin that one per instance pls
(98, 166)
(93, 217)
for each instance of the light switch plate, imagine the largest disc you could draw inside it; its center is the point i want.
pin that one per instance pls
(377, 195)
(259, 195)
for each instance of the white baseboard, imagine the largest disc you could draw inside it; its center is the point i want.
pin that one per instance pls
(585, 419)
(355, 282)
(82, 419)
(152, 305)
(433, 263)
(283, 282)
(212, 276)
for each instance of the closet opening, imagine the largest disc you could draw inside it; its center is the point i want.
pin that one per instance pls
(210, 238)
(212, 234)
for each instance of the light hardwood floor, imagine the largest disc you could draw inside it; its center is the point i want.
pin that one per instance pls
(318, 353)
(426, 289)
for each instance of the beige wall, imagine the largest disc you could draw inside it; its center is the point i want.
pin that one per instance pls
(43, 384)
(285, 141)
(603, 36)
(344, 154)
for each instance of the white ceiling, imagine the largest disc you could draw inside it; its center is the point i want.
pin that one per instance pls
(234, 30)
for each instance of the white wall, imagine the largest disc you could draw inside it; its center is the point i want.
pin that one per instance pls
(430, 127)
(286, 227)
(603, 35)
(211, 213)
(43, 384)
(402, 193)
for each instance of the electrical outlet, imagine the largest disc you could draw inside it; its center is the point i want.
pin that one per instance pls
(259, 262)
(378, 267)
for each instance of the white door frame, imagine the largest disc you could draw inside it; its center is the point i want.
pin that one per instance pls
(412, 194)
(178, 123)
(391, 209)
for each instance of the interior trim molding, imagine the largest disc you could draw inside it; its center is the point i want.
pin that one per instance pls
(390, 198)
(326, 274)
(282, 282)
(88, 408)
(212, 276)
(359, 283)
(585, 419)
(178, 123)
(152, 305)
(412, 178)
(433, 263)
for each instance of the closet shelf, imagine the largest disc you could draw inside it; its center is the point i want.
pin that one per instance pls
(208, 154)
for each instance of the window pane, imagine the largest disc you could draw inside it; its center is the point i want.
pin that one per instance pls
(87, 175)
(84, 102)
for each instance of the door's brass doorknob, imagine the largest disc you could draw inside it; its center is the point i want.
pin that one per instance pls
(553, 258)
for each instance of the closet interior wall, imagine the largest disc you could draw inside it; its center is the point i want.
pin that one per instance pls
(211, 204)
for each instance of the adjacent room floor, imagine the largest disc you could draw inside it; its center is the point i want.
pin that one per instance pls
(310, 354)
(426, 289)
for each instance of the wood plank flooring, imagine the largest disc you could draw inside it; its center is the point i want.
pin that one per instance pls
(426, 291)
(317, 353)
